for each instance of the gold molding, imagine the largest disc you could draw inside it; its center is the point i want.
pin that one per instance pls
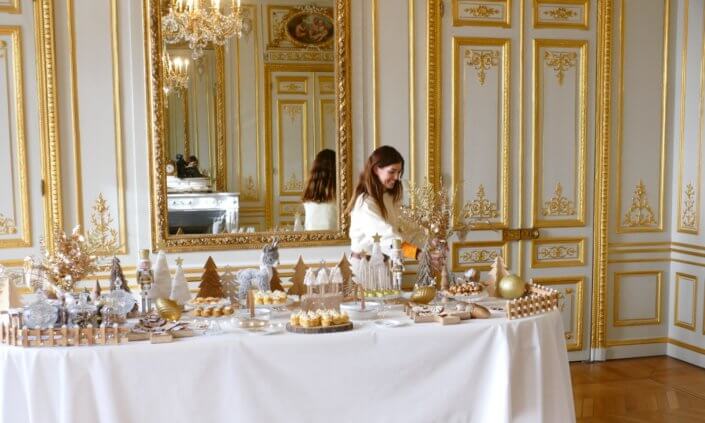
(160, 236)
(483, 207)
(640, 213)
(486, 254)
(412, 91)
(581, 141)
(578, 316)
(8, 226)
(75, 120)
(221, 152)
(560, 61)
(686, 346)
(49, 118)
(434, 93)
(620, 123)
(603, 121)
(558, 252)
(685, 325)
(561, 14)
(14, 7)
(482, 13)
(656, 320)
(117, 112)
(375, 73)
(635, 341)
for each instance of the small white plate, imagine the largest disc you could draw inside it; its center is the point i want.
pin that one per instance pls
(389, 323)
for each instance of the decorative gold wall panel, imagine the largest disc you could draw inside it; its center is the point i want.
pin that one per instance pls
(293, 112)
(557, 252)
(478, 255)
(15, 216)
(572, 288)
(634, 216)
(10, 6)
(567, 14)
(639, 321)
(680, 277)
(481, 93)
(292, 85)
(482, 13)
(554, 61)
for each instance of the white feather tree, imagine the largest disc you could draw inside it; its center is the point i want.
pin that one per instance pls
(161, 288)
(179, 287)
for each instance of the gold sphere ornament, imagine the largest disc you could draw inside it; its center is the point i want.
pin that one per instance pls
(511, 287)
(423, 294)
(168, 309)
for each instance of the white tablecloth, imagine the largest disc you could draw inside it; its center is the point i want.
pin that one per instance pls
(478, 371)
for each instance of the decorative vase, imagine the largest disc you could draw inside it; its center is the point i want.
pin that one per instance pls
(424, 294)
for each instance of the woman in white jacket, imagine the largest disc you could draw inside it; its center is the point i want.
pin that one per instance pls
(374, 206)
(321, 212)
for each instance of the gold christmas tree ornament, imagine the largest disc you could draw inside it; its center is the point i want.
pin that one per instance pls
(101, 236)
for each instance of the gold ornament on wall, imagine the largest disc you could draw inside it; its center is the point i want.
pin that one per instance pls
(688, 216)
(560, 13)
(557, 252)
(249, 193)
(293, 184)
(293, 110)
(482, 61)
(7, 225)
(560, 61)
(102, 238)
(558, 205)
(640, 213)
(481, 207)
(478, 256)
(481, 11)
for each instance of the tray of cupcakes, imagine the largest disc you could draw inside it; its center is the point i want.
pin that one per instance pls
(271, 299)
(319, 321)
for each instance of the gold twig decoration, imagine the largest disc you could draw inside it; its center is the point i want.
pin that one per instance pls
(688, 216)
(560, 61)
(640, 213)
(102, 237)
(481, 11)
(559, 205)
(560, 13)
(7, 225)
(72, 259)
(482, 61)
(481, 207)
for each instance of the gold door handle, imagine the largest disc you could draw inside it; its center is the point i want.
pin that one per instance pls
(520, 234)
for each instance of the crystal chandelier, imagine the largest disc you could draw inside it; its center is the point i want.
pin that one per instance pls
(175, 74)
(200, 22)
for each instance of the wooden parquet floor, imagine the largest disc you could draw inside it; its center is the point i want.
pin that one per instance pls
(651, 389)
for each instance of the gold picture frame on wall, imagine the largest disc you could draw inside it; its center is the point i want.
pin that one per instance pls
(161, 238)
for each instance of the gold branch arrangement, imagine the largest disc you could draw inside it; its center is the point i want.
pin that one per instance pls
(70, 260)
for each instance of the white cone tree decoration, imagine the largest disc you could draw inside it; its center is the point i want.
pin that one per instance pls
(161, 288)
(378, 270)
(179, 287)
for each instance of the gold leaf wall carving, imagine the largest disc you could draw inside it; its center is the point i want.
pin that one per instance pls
(560, 61)
(481, 207)
(481, 11)
(640, 212)
(560, 13)
(688, 216)
(7, 225)
(482, 61)
(558, 205)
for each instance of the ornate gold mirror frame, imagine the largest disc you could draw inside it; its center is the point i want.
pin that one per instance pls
(161, 239)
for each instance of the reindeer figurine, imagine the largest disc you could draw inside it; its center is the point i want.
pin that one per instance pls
(264, 278)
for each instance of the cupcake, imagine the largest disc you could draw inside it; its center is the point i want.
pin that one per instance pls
(197, 312)
(227, 310)
(294, 319)
(326, 319)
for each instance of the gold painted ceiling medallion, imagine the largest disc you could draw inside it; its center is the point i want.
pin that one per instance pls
(558, 205)
(560, 13)
(640, 213)
(560, 61)
(482, 60)
(481, 11)
(481, 207)
(688, 216)
(7, 225)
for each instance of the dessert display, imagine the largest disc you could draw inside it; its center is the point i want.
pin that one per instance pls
(382, 293)
(467, 290)
(446, 315)
(214, 311)
(208, 302)
(319, 321)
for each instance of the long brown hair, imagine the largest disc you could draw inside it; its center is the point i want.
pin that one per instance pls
(369, 184)
(321, 181)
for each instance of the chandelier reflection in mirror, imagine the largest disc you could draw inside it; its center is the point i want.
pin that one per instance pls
(175, 74)
(200, 22)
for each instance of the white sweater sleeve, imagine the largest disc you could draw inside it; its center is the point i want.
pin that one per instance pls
(365, 221)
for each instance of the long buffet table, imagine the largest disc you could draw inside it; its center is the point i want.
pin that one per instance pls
(492, 370)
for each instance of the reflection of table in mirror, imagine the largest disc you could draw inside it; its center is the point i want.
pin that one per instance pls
(203, 213)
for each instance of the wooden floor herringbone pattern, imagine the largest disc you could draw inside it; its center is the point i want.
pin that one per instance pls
(651, 389)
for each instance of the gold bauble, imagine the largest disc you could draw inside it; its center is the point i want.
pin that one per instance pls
(423, 294)
(168, 309)
(510, 287)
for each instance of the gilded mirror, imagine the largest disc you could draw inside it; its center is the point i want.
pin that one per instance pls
(250, 139)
